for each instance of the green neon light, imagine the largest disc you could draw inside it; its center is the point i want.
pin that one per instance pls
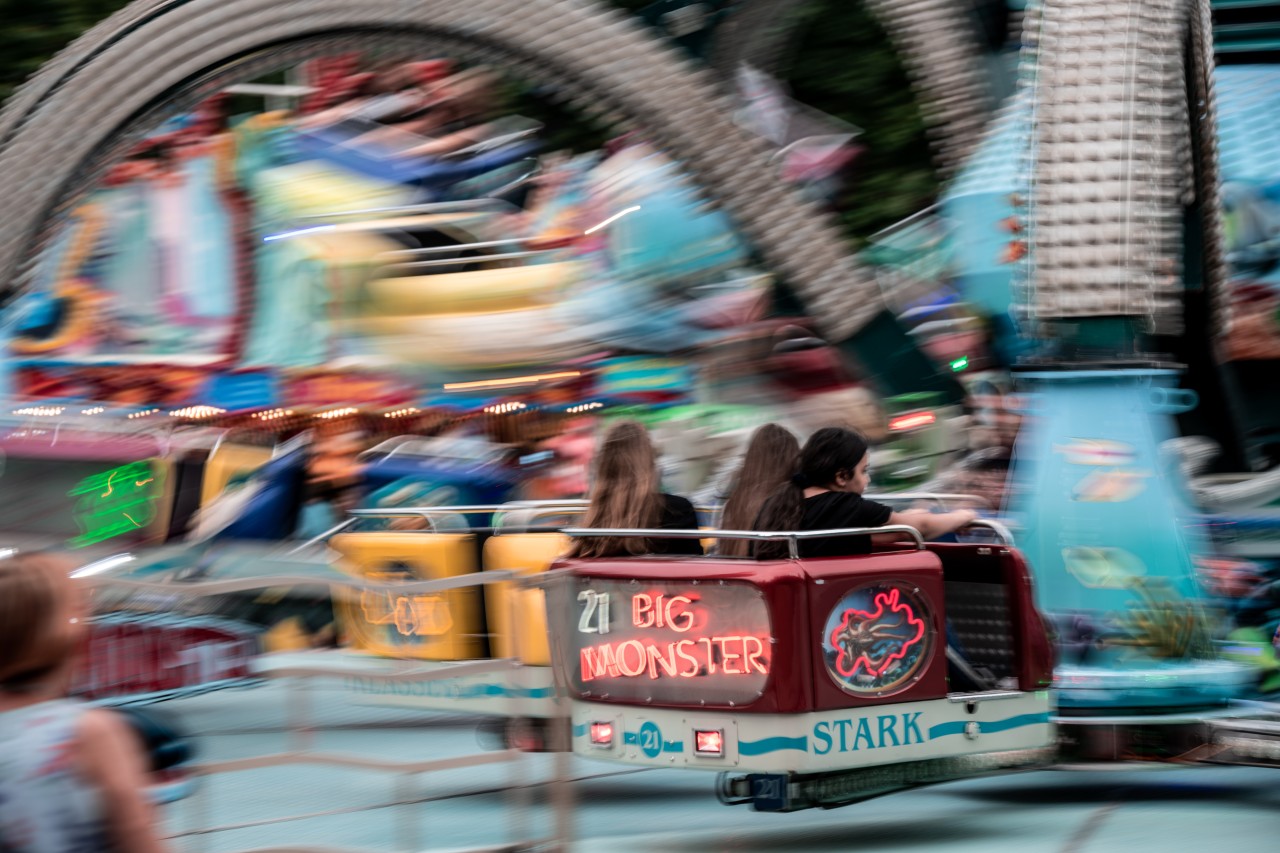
(960, 363)
(116, 502)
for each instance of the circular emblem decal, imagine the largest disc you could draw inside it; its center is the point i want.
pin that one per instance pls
(878, 639)
(650, 740)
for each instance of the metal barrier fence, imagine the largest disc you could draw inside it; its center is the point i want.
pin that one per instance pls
(301, 750)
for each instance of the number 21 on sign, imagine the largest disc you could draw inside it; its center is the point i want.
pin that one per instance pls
(596, 604)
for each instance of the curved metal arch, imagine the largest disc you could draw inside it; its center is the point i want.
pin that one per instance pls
(63, 120)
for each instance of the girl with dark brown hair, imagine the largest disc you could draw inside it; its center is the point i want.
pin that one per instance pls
(626, 493)
(825, 493)
(769, 462)
(73, 776)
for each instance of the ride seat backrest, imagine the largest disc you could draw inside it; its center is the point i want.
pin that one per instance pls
(441, 626)
(529, 554)
(227, 462)
(979, 615)
(188, 485)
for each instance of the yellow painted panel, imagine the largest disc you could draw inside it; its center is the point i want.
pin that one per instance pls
(499, 289)
(527, 553)
(439, 626)
(227, 462)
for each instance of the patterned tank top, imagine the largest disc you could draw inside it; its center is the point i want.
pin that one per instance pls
(46, 804)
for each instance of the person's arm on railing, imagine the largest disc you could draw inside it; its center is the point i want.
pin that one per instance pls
(934, 524)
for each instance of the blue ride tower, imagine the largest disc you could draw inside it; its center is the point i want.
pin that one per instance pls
(1114, 543)
(1109, 207)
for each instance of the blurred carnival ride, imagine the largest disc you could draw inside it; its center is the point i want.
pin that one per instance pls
(394, 235)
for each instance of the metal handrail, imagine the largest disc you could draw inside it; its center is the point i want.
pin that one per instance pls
(403, 511)
(1003, 534)
(457, 247)
(426, 513)
(431, 447)
(473, 259)
(534, 513)
(435, 207)
(231, 585)
(940, 497)
(791, 537)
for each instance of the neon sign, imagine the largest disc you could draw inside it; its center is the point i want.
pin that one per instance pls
(877, 639)
(671, 641)
(872, 642)
(116, 502)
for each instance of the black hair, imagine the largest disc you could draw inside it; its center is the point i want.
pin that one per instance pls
(828, 453)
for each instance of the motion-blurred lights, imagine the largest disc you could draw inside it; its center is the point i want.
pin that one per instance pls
(273, 414)
(584, 407)
(401, 413)
(96, 410)
(614, 218)
(197, 412)
(337, 413)
(105, 565)
(298, 233)
(40, 411)
(514, 380)
(912, 421)
(146, 413)
(505, 408)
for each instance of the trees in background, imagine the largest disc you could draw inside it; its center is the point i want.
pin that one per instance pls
(32, 31)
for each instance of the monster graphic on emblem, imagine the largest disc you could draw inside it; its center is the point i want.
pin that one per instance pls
(876, 639)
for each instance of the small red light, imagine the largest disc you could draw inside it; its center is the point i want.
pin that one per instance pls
(709, 742)
(602, 734)
(911, 421)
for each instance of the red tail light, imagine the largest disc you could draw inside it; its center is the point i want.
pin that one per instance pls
(602, 734)
(709, 743)
(911, 421)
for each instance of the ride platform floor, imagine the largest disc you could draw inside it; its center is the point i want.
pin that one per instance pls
(313, 807)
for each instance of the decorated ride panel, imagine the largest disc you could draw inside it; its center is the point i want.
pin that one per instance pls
(144, 654)
(81, 500)
(762, 637)
(878, 639)
(817, 741)
(437, 626)
(645, 641)
(877, 623)
(684, 632)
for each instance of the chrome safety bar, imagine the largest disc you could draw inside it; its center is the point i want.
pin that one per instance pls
(1003, 535)
(457, 247)
(791, 537)
(940, 497)
(403, 511)
(472, 259)
(480, 205)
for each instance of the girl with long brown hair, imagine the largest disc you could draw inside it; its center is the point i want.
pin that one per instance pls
(769, 462)
(626, 493)
(73, 776)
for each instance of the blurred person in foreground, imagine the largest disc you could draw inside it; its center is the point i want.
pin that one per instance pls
(769, 462)
(72, 777)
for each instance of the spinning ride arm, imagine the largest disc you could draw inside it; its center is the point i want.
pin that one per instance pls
(62, 129)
